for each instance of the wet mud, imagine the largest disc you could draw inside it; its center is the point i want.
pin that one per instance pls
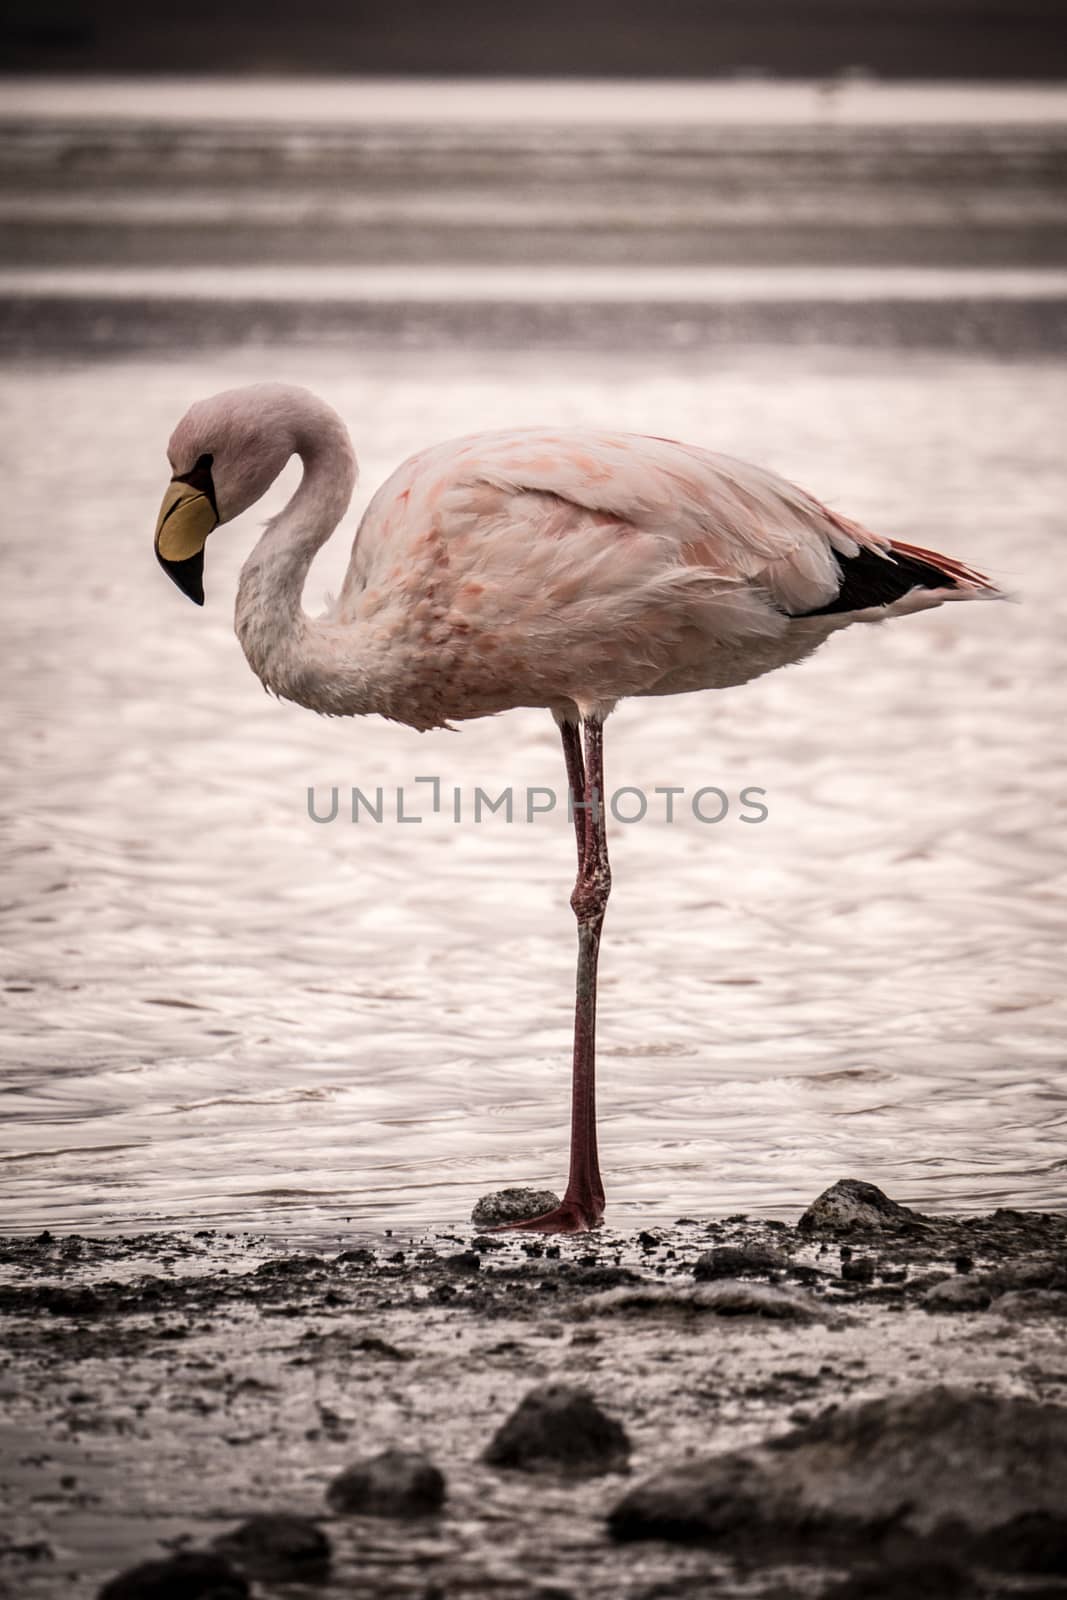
(869, 1403)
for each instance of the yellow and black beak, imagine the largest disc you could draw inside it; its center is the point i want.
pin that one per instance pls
(186, 517)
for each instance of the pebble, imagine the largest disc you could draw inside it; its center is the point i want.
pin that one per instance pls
(397, 1483)
(560, 1428)
(1022, 1303)
(277, 1547)
(964, 1293)
(737, 1261)
(512, 1205)
(463, 1261)
(192, 1575)
(728, 1297)
(289, 1266)
(907, 1580)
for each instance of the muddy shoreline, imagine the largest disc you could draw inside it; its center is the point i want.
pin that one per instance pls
(160, 1389)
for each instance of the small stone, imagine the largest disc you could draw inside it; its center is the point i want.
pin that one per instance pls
(277, 1547)
(192, 1575)
(908, 1580)
(289, 1266)
(728, 1297)
(513, 1205)
(1020, 1304)
(730, 1261)
(861, 1271)
(60, 1302)
(851, 1205)
(957, 1294)
(560, 1428)
(359, 1257)
(464, 1261)
(397, 1483)
(964, 1263)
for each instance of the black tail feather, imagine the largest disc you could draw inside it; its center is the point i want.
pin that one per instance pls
(868, 579)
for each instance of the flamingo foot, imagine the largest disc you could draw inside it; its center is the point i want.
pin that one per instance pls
(572, 1216)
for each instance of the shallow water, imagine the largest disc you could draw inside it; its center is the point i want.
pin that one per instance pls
(219, 1010)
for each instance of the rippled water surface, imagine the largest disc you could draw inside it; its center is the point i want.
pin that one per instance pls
(219, 1010)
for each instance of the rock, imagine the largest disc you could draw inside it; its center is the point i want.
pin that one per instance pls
(55, 1299)
(884, 1471)
(559, 1428)
(957, 1294)
(732, 1298)
(278, 1548)
(861, 1271)
(513, 1205)
(729, 1297)
(464, 1261)
(371, 1345)
(397, 1483)
(730, 1261)
(192, 1575)
(1022, 1303)
(852, 1206)
(907, 1580)
(289, 1266)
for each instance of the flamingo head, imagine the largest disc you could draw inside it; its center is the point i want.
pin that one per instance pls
(224, 455)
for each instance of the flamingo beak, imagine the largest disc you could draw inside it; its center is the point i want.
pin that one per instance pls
(186, 517)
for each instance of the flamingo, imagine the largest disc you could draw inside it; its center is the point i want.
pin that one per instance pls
(562, 568)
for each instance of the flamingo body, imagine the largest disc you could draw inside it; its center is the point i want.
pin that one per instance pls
(570, 569)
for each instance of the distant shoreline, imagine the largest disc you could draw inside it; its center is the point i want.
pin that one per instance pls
(845, 100)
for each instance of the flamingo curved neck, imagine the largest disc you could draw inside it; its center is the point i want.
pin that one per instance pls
(286, 649)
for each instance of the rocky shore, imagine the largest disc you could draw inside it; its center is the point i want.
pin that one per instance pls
(867, 1405)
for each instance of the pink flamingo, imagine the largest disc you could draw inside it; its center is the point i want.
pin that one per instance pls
(560, 568)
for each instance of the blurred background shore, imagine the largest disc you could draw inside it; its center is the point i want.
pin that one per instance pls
(155, 213)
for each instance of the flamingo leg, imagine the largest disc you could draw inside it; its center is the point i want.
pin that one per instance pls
(583, 1202)
(571, 736)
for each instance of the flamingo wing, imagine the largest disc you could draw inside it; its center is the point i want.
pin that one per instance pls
(731, 519)
(561, 564)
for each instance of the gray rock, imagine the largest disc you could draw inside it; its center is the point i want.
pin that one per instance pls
(192, 1575)
(289, 1266)
(732, 1261)
(397, 1483)
(914, 1579)
(887, 1470)
(730, 1297)
(853, 1206)
(513, 1205)
(463, 1261)
(1020, 1304)
(958, 1294)
(558, 1428)
(277, 1547)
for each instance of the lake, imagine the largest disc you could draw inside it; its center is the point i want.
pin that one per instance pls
(220, 1011)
